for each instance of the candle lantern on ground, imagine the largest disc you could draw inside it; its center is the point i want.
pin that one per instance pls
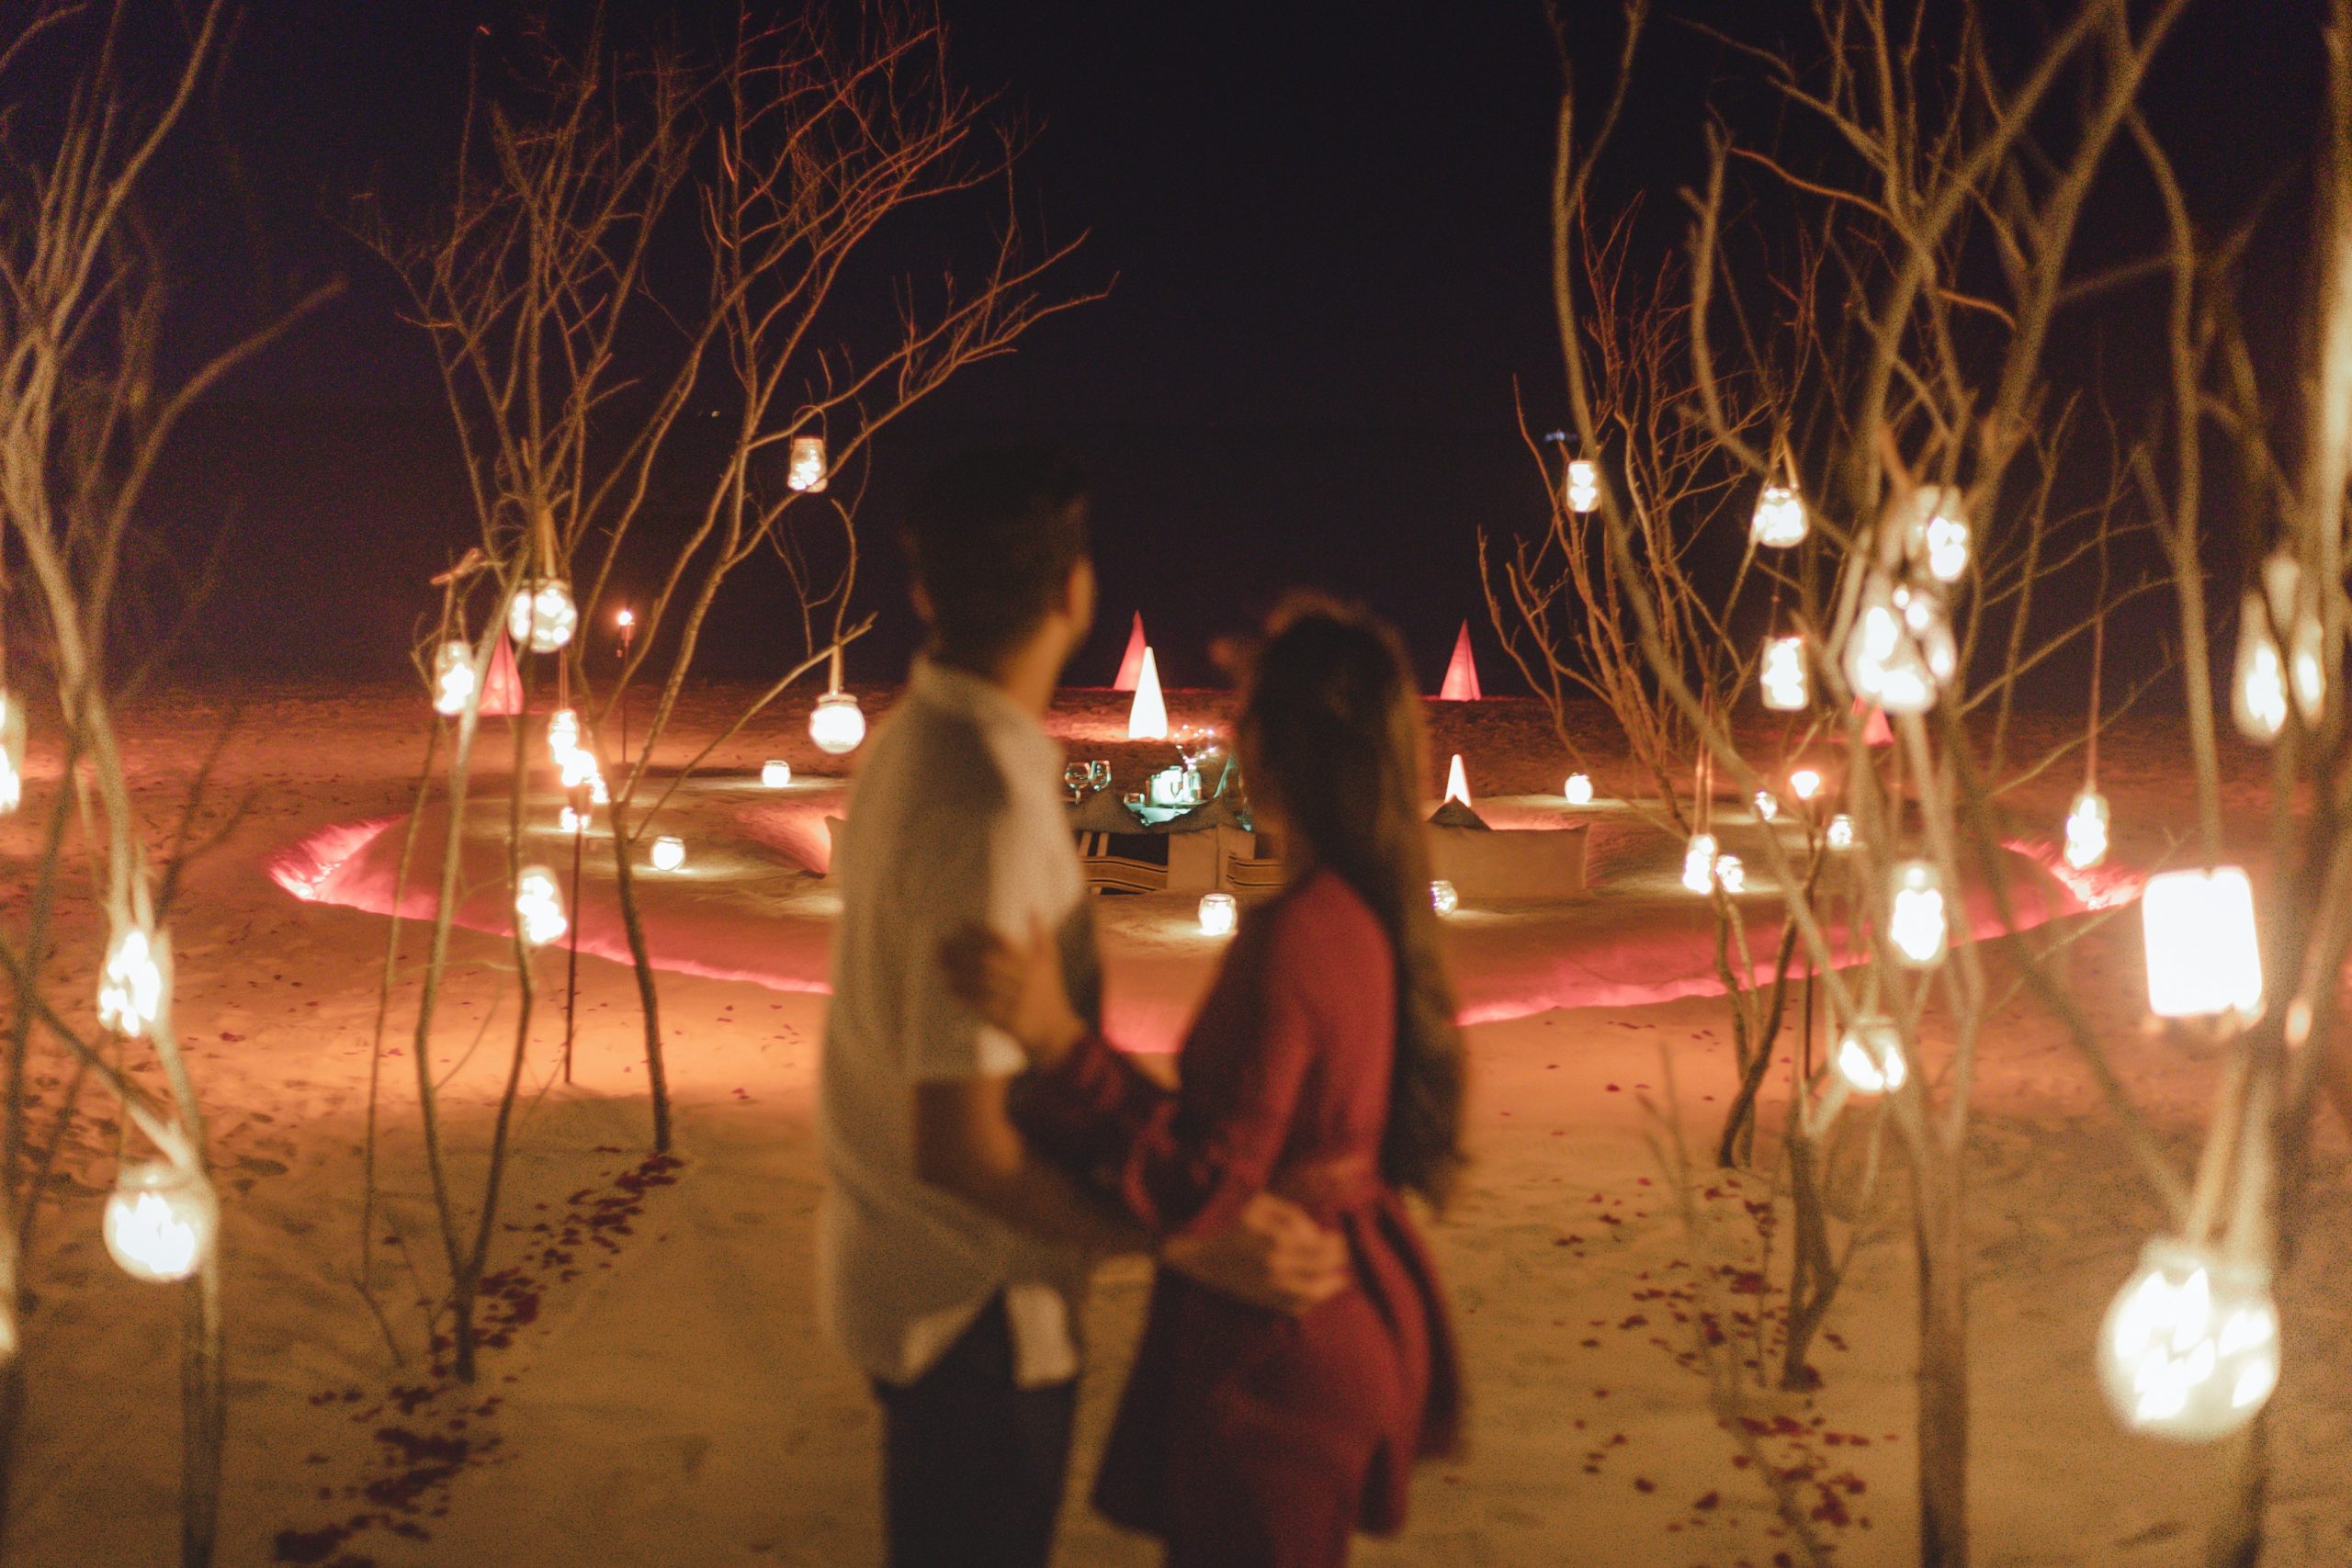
(1699, 863)
(1442, 898)
(2189, 1351)
(538, 906)
(2086, 821)
(806, 472)
(1869, 1056)
(1218, 914)
(774, 773)
(1580, 790)
(668, 852)
(161, 1221)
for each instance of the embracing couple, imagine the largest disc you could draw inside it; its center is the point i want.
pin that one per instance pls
(985, 1144)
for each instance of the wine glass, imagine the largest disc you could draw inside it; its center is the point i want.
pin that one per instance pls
(1075, 778)
(1099, 774)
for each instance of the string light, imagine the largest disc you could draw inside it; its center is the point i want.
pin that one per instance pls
(2190, 1349)
(1782, 674)
(161, 1221)
(1583, 485)
(1219, 914)
(1869, 1056)
(453, 678)
(806, 472)
(1699, 863)
(1578, 790)
(1780, 522)
(2086, 831)
(131, 987)
(1917, 924)
(538, 906)
(2204, 958)
(541, 615)
(12, 752)
(1840, 833)
(774, 773)
(668, 852)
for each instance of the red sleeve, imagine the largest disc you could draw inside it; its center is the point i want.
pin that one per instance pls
(1175, 1161)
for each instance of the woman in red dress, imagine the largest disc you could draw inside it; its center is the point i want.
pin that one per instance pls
(1325, 1067)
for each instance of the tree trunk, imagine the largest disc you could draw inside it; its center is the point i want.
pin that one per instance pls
(1943, 1371)
(204, 1415)
(657, 1078)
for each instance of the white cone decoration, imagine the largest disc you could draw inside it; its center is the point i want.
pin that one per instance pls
(12, 752)
(1457, 781)
(1580, 790)
(161, 1221)
(1443, 898)
(1219, 914)
(2204, 958)
(2189, 1351)
(668, 852)
(1869, 1056)
(453, 678)
(1699, 863)
(1780, 522)
(1584, 486)
(2086, 831)
(837, 723)
(538, 906)
(775, 772)
(806, 472)
(1917, 925)
(1148, 718)
(131, 985)
(542, 616)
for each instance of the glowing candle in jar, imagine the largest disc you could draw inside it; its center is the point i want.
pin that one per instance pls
(2203, 956)
(1583, 485)
(1218, 914)
(160, 1221)
(2189, 1351)
(538, 906)
(1869, 1056)
(775, 772)
(1804, 784)
(668, 852)
(837, 723)
(1730, 873)
(1768, 805)
(130, 986)
(2258, 685)
(578, 768)
(2087, 830)
(12, 752)
(1939, 535)
(1780, 521)
(806, 472)
(563, 734)
(1840, 833)
(572, 821)
(1457, 781)
(1699, 863)
(1442, 898)
(1917, 925)
(542, 616)
(1782, 674)
(1580, 790)
(1900, 649)
(453, 678)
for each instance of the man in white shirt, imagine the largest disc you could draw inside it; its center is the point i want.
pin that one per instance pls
(951, 1261)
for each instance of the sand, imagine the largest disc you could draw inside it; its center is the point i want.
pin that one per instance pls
(662, 1395)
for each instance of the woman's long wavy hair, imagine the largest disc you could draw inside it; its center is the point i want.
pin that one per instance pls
(1331, 728)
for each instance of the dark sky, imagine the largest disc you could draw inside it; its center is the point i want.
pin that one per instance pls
(1326, 221)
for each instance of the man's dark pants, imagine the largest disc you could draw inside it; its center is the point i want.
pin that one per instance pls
(973, 1466)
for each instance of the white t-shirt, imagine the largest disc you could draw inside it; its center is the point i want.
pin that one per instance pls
(955, 818)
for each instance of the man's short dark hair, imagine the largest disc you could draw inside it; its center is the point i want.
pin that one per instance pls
(993, 535)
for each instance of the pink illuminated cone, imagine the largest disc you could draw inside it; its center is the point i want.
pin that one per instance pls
(1876, 731)
(1131, 663)
(1461, 675)
(502, 691)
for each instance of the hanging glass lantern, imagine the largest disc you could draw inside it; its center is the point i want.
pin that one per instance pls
(806, 472)
(1583, 485)
(1940, 535)
(12, 752)
(1901, 649)
(2086, 831)
(1840, 833)
(453, 678)
(161, 1221)
(1219, 914)
(1730, 875)
(578, 770)
(541, 616)
(1869, 1056)
(1782, 674)
(837, 725)
(1780, 522)
(538, 906)
(1768, 805)
(563, 734)
(1442, 898)
(1699, 863)
(775, 772)
(2258, 685)
(1804, 784)
(130, 986)
(2189, 1351)
(2204, 957)
(1578, 790)
(1917, 925)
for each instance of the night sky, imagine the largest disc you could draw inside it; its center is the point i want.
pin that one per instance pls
(1323, 225)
